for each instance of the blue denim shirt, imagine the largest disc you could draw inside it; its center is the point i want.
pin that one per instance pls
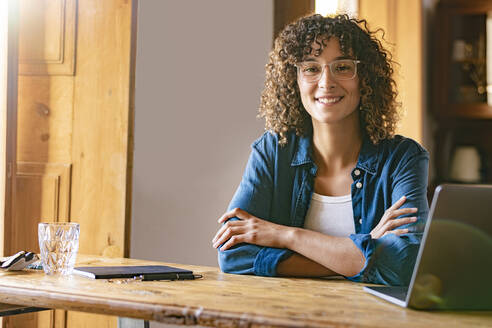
(278, 183)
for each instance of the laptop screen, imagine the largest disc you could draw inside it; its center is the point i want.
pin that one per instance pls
(455, 259)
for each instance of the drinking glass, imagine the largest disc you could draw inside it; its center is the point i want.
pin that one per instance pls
(58, 244)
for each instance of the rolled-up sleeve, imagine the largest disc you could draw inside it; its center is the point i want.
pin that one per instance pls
(390, 259)
(252, 259)
(254, 196)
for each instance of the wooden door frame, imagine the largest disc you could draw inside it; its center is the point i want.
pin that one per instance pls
(10, 127)
(131, 131)
(286, 11)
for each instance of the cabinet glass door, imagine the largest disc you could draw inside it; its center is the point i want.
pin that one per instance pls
(471, 45)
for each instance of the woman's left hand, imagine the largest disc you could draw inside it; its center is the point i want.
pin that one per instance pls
(249, 229)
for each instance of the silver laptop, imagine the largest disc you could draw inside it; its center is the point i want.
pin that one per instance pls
(453, 270)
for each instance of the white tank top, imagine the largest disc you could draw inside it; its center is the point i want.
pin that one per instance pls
(331, 215)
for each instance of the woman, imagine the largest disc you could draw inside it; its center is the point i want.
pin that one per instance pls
(329, 189)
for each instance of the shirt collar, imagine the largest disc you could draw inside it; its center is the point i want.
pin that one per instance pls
(368, 156)
(303, 150)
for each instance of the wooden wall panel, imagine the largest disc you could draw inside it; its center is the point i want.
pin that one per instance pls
(102, 101)
(45, 103)
(47, 37)
(102, 95)
(45, 114)
(74, 131)
(45, 319)
(42, 194)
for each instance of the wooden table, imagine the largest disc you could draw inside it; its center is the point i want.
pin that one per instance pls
(224, 300)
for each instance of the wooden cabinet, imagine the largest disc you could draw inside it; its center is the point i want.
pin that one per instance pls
(462, 93)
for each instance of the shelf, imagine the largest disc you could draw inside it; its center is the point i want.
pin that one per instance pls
(463, 118)
(468, 111)
(470, 61)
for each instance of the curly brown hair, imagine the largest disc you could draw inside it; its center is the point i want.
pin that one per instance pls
(281, 104)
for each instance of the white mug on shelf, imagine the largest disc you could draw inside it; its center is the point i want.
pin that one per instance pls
(466, 164)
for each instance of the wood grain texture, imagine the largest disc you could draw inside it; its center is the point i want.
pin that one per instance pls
(101, 124)
(44, 319)
(222, 300)
(44, 134)
(45, 119)
(47, 37)
(81, 118)
(43, 195)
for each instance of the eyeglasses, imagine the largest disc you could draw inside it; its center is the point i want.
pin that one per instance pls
(342, 69)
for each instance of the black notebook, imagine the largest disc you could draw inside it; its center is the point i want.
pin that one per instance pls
(145, 272)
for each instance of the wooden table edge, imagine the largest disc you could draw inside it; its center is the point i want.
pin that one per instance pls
(171, 314)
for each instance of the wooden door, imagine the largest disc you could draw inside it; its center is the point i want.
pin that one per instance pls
(74, 130)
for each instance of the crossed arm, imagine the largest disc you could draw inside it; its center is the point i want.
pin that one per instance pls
(315, 254)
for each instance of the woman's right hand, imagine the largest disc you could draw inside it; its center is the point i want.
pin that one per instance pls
(389, 223)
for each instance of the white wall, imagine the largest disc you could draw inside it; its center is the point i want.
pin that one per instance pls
(199, 75)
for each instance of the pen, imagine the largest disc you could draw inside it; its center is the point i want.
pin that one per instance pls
(168, 276)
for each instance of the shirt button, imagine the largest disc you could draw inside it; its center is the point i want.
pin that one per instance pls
(360, 221)
(358, 185)
(357, 172)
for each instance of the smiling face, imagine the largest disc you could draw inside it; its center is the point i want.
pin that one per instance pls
(330, 101)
